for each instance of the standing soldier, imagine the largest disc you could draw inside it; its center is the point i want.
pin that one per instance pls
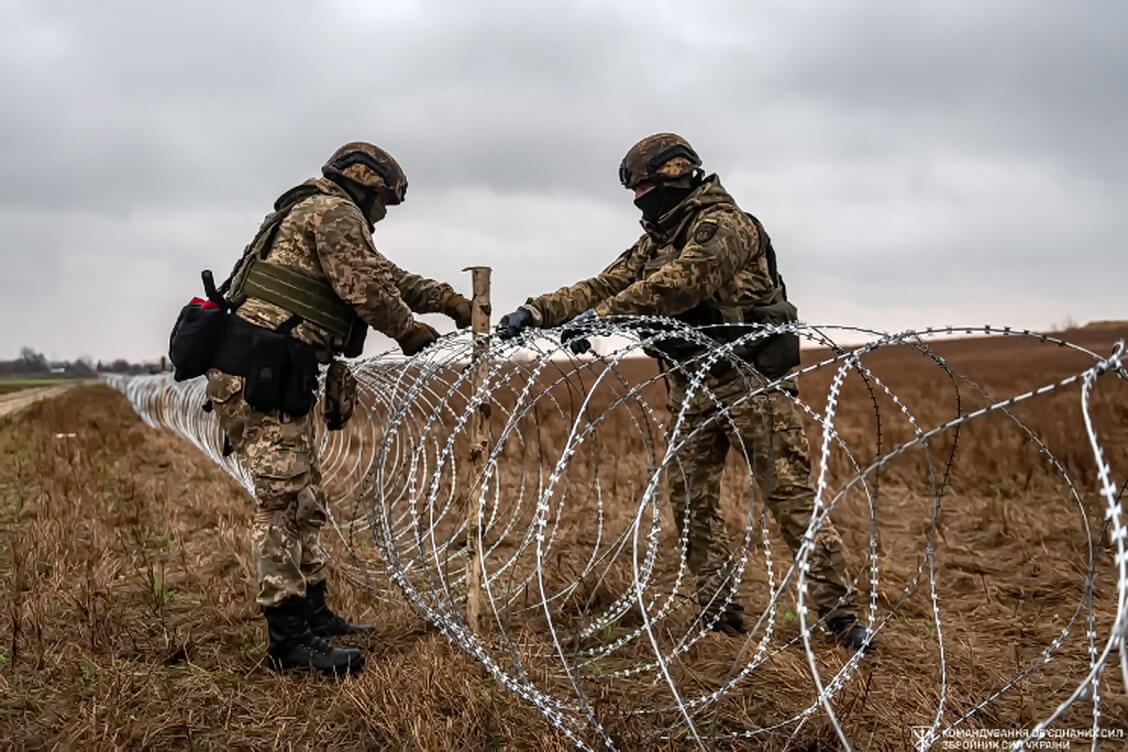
(306, 289)
(704, 261)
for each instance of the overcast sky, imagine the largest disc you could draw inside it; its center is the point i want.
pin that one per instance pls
(915, 162)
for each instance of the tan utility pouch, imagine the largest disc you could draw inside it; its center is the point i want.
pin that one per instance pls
(340, 395)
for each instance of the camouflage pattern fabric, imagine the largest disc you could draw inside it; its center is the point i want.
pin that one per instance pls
(638, 167)
(327, 237)
(368, 166)
(767, 428)
(705, 251)
(278, 452)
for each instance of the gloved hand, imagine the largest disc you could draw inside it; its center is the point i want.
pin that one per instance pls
(573, 335)
(418, 338)
(457, 307)
(580, 345)
(512, 324)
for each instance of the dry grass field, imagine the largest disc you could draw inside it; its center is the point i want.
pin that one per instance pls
(127, 618)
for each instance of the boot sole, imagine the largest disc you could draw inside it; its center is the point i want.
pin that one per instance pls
(307, 668)
(328, 635)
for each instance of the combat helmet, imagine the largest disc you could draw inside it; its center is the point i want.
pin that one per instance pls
(663, 156)
(369, 167)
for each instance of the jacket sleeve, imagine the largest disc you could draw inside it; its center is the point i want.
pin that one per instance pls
(357, 272)
(421, 294)
(717, 248)
(565, 304)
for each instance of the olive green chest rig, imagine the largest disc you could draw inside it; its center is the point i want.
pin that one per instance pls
(308, 298)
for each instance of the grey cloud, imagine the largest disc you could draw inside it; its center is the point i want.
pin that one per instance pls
(899, 152)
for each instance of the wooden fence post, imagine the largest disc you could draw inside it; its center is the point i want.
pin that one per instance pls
(479, 435)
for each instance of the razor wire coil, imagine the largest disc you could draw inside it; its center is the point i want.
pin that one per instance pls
(575, 606)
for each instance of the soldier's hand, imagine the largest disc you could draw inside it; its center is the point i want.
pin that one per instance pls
(512, 324)
(574, 334)
(457, 307)
(418, 338)
(580, 345)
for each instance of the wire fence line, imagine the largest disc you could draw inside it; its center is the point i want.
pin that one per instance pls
(583, 576)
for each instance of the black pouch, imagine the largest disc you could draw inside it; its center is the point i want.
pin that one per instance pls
(777, 354)
(195, 336)
(280, 372)
(662, 341)
(354, 344)
(268, 363)
(197, 332)
(299, 390)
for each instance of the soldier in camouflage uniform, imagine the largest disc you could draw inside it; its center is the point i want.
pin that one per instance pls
(325, 236)
(701, 252)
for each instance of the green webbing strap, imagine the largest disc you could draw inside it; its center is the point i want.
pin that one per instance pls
(313, 300)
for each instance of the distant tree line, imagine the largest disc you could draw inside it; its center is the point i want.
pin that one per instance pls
(35, 364)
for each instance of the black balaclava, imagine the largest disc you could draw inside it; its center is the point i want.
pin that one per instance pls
(370, 204)
(664, 196)
(661, 199)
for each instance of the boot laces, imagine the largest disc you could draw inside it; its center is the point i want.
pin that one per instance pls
(318, 645)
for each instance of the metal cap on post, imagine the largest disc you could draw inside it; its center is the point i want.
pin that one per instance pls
(479, 430)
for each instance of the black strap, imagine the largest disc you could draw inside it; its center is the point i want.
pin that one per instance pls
(769, 251)
(214, 295)
(288, 326)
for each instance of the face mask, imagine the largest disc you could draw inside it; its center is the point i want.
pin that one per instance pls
(373, 210)
(659, 200)
(376, 211)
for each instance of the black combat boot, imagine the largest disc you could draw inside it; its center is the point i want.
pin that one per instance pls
(730, 621)
(294, 647)
(848, 632)
(323, 621)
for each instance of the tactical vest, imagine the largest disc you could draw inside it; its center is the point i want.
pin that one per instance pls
(308, 298)
(774, 355)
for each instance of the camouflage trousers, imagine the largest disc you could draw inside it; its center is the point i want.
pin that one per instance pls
(278, 452)
(766, 427)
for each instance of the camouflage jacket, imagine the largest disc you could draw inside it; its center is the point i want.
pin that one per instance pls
(326, 237)
(703, 252)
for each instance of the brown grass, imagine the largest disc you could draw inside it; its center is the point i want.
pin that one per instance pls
(128, 618)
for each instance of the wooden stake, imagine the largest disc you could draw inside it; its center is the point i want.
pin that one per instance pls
(479, 441)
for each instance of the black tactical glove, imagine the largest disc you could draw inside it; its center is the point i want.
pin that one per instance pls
(418, 338)
(573, 335)
(512, 324)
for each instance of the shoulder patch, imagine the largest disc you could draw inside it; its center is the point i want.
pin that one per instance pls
(706, 229)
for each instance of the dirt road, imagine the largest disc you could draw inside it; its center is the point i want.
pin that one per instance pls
(10, 403)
